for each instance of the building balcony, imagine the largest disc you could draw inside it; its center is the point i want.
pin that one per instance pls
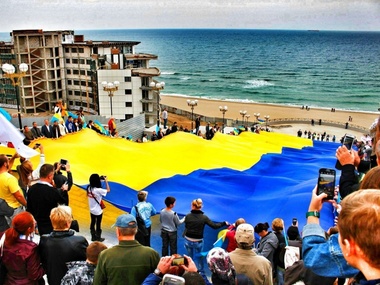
(147, 100)
(146, 72)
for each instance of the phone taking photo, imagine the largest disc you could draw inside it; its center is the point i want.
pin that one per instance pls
(63, 163)
(348, 141)
(179, 261)
(326, 182)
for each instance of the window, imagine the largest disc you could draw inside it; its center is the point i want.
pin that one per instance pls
(145, 81)
(83, 72)
(69, 82)
(75, 60)
(81, 50)
(128, 116)
(68, 71)
(128, 104)
(145, 94)
(127, 79)
(67, 50)
(67, 60)
(75, 72)
(82, 61)
(128, 91)
(74, 50)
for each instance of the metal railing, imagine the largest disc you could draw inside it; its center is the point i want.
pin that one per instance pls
(277, 121)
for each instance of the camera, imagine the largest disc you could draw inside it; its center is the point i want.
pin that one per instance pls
(102, 177)
(180, 260)
(63, 163)
(170, 279)
(294, 221)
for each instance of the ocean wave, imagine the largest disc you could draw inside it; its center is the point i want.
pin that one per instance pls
(168, 73)
(275, 103)
(209, 80)
(256, 83)
(284, 73)
(184, 78)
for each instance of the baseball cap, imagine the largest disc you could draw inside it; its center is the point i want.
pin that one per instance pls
(244, 234)
(125, 221)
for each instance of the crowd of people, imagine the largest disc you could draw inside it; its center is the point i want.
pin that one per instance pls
(316, 136)
(37, 236)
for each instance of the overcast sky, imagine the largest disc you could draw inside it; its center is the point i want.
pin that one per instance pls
(362, 15)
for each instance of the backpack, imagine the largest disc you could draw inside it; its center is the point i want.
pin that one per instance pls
(141, 224)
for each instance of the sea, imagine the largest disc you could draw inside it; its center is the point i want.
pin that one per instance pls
(325, 69)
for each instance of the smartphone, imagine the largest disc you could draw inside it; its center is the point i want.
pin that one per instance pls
(326, 182)
(63, 163)
(170, 279)
(37, 145)
(348, 141)
(294, 221)
(179, 261)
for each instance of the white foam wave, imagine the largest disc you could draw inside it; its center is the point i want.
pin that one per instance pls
(257, 83)
(185, 78)
(167, 73)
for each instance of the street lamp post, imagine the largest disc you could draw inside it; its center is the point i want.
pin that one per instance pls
(247, 116)
(157, 87)
(266, 120)
(10, 73)
(223, 109)
(242, 113)
(110, 88)
(257, 115)
(192, 104)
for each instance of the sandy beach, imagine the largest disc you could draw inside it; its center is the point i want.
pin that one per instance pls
(210, 108)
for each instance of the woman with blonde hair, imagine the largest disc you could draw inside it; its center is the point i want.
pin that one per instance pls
(20, 255)
(195, 223)
(61, 246)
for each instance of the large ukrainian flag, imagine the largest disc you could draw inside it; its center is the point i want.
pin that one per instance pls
(255, 176)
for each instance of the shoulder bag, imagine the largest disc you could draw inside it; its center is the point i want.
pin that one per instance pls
(101, 204)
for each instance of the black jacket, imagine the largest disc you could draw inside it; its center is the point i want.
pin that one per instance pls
(41, 199)
(58, 248)
(195, 223)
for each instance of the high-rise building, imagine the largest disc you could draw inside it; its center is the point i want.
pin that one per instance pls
(64, 66)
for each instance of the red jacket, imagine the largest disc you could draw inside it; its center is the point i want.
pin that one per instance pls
(230, 237)
(23, 264)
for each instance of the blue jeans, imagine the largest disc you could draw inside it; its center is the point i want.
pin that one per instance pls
(280, 275)
(193, 250)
